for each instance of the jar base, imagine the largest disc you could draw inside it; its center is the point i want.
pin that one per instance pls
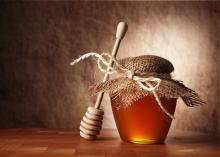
(138, 140)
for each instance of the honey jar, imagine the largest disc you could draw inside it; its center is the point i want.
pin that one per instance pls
(143, 122)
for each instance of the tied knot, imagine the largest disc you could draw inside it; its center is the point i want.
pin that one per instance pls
(131, 74)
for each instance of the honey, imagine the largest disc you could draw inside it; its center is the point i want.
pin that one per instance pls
(143, 121)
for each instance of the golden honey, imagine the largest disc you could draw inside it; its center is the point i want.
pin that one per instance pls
(143, 121)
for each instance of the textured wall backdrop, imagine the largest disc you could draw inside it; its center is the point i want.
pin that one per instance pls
(38, 87)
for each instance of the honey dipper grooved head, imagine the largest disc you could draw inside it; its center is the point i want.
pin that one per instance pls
(91, 124)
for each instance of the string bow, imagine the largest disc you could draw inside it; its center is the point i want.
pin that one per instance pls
(146, 82)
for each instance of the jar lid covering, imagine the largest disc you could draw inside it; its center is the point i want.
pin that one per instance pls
(126, 91)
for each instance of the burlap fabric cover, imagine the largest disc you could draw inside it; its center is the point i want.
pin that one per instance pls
(126, 91)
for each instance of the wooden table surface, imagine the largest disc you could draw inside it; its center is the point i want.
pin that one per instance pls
(67, 143)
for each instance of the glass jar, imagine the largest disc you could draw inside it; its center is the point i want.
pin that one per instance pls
(143, 121)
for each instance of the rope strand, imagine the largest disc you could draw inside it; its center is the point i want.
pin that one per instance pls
(143, 82)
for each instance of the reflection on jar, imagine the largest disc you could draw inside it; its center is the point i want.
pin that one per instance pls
(143, 121)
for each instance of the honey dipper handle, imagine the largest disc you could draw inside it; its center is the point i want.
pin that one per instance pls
(120, 33)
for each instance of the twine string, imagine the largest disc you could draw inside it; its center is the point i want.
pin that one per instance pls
(144, 82)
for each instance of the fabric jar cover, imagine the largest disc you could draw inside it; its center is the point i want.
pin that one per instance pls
(126, 91)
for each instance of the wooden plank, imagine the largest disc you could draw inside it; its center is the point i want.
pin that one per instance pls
(67, 143)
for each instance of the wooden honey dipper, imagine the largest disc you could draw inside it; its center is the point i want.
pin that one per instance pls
(91, 123)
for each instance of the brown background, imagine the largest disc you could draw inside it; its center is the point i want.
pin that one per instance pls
(38, 87)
